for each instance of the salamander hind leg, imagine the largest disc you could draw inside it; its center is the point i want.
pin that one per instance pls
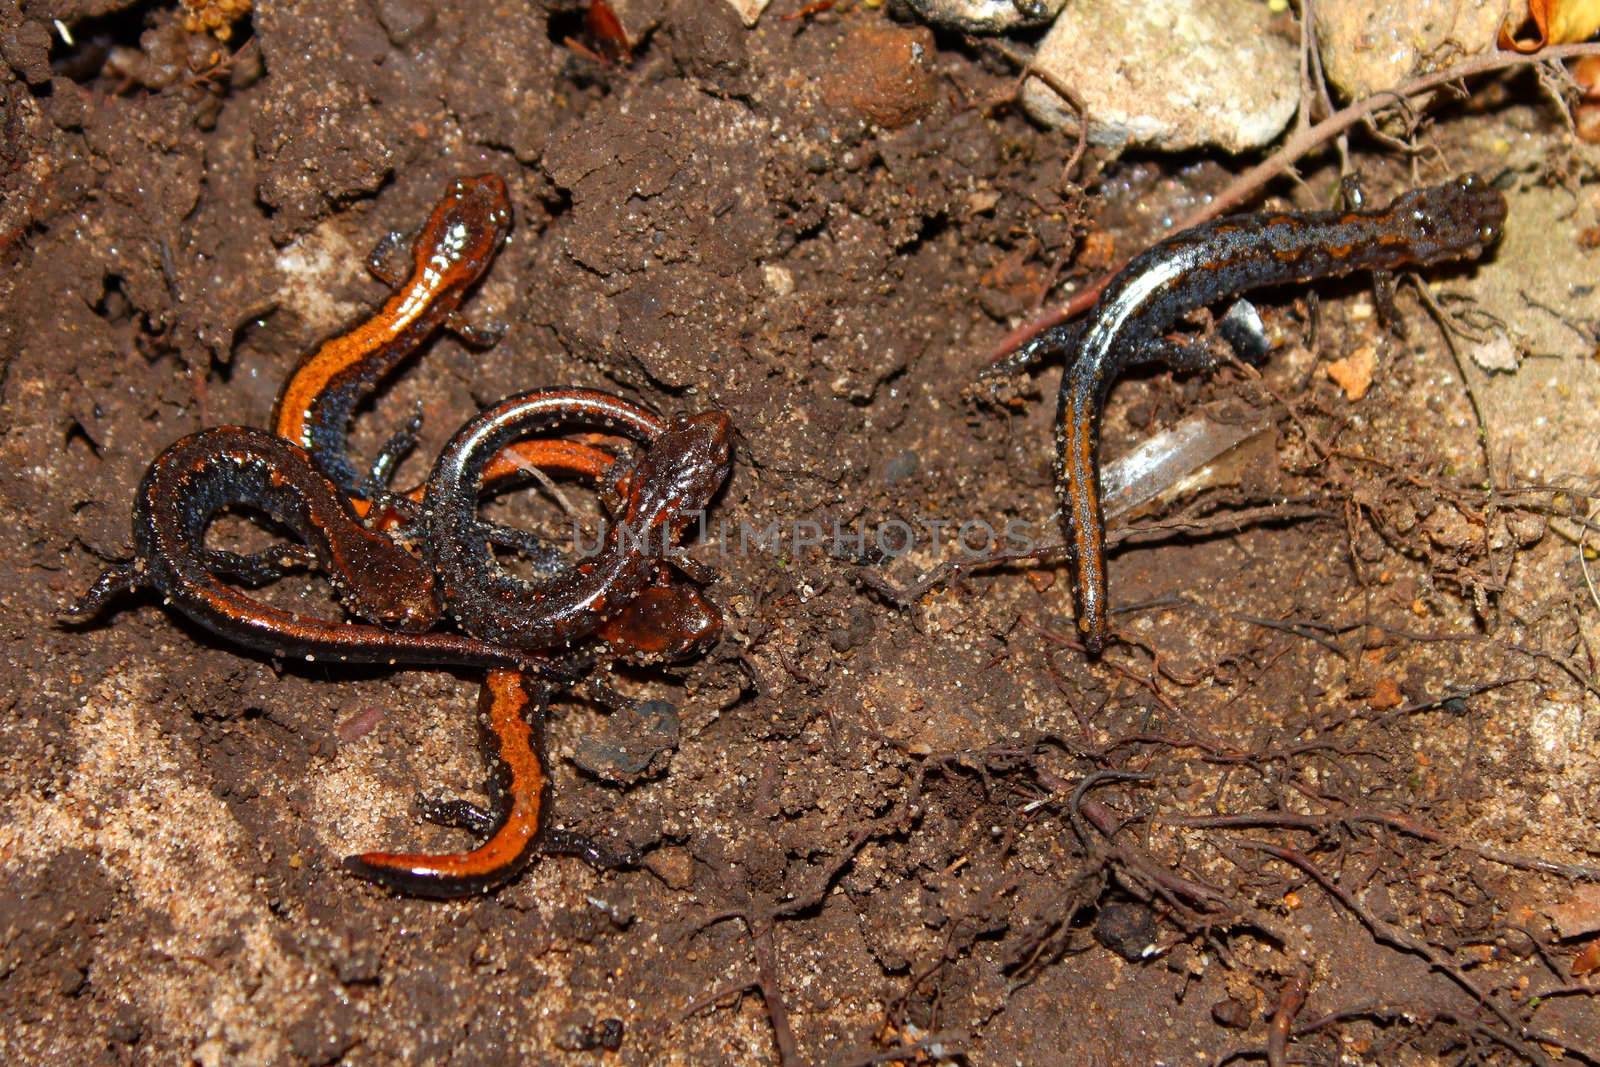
(395, 449)
(596, 855)
(456, 813)
(123, 578)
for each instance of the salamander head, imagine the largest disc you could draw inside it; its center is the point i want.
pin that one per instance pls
(682, 470)
(469, 223)
(665, 622)
(395, 589)
(1456, 220)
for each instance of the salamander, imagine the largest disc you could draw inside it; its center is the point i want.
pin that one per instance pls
(204, 474)
(667, 621)
(518, 790)
(1205, 265)
(682, 466)
(451, 252)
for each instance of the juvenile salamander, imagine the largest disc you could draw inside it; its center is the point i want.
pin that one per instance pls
(1207, 264)
(511, 705)
(449, 255)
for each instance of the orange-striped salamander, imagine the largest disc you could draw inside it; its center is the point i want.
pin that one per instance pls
(206, 473)
(452, 251)
(683, 464)
(667, 621)
(671, 620)
(518, 789)
(1202, 266)
(677, 624)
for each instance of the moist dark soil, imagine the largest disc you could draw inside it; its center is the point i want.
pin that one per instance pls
(1335, 781)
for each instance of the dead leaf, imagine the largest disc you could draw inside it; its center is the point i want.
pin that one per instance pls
(1579, 914)
(1588, 960)
(1385, 695)
(1586, 116)
(1585, 71)
(1353, 373)
(1554, 22)
(608, 40)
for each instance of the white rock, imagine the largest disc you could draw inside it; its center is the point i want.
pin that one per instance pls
(1497, 353)
(986, 16)
(1368, 45)
(1168, 74)
(749, 10)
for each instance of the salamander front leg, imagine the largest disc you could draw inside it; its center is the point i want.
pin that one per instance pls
(389, 259)
(1354, 198)
(1058, 340)
(258, 568)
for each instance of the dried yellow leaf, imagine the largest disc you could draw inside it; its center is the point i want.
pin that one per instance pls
(1554, 22)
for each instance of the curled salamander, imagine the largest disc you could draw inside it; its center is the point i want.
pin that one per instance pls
(1202, 266)
(214, 470)
(682, 466)
(205, 474)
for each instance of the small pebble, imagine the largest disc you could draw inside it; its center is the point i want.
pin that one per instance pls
(403, 20)
(986, 16)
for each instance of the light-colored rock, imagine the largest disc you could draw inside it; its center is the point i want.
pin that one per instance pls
(1496, 352)
(1168, 74)
(1368, 45)
(1538, 289)
(749, 10)
(986, 16)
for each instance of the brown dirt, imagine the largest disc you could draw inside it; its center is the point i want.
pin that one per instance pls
(872, 827)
